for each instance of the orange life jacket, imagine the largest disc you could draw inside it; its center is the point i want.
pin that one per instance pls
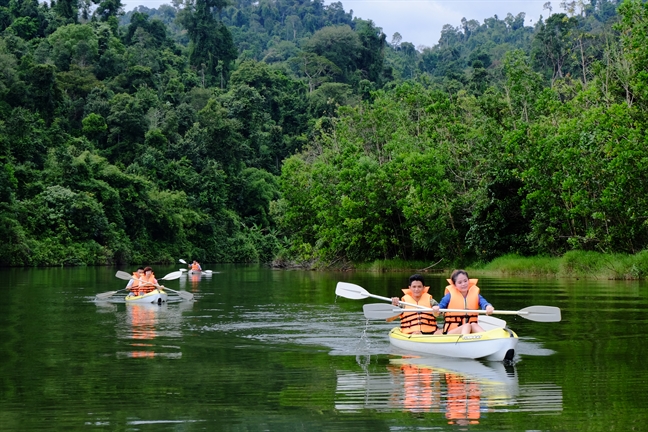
(134, 287)
(146, 287)
(458, 301)
(195, 267)
(423, 322)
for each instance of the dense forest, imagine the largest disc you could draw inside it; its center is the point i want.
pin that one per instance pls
(294, 133)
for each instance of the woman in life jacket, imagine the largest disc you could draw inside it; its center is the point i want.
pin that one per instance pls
(148, 281)
(420, 322)
(462, 293)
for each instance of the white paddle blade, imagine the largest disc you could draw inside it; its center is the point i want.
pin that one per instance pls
(350, 291)
(102, 296)
(123, 275)
(182, 261)
(541, 313)
(182, 294)
(379, 311)
(172, 276)
(488, 322)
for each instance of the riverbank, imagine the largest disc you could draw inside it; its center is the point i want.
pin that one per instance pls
(574, 264)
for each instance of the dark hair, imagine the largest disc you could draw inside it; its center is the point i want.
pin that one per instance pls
(456, 273)
(147, 269)
(416, 277)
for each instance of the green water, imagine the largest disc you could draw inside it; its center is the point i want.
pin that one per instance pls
(267, 350)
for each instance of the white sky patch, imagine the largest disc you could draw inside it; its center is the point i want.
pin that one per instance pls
(420, 21)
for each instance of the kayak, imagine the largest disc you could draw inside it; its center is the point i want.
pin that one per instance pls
(158, 296)
(497, 344)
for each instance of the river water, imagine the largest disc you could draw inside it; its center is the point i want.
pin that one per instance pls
(268, 350)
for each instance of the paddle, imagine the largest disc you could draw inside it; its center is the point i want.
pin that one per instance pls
(533, 313)
(356, 292)
(205, 272)
(105, 295)
(171, 276)
(379, 311)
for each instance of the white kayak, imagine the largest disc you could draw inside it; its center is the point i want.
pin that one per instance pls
(157, 296)
(497, 344)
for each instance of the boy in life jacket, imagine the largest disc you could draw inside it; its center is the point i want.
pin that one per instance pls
(195, 266)
(462, 293)
(134, 284)
(419, 322)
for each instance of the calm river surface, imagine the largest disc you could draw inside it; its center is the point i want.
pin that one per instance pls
(268, 350)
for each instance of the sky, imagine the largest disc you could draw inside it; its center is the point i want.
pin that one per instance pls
(420, 21)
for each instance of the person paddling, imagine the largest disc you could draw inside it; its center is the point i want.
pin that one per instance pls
(195, 266)
(462, 293)
(134, 284)
(148, 281)
(421, 322)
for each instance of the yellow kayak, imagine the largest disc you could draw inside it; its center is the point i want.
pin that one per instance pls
(157, 296)
(496, 345)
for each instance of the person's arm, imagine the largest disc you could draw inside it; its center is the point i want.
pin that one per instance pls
(443, 304)
(485, 305)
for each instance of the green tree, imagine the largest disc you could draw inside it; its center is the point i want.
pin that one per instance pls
(212, 48)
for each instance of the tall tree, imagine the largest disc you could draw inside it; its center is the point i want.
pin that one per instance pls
(68, 9)
(212, 47)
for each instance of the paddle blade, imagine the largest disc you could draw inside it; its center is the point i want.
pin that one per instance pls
(123, 275)
(488, 322)
(541, 313)
(379, 311)
(105, 295)
(182, 261)
(350, 291)
(185, 295)
(172, 276)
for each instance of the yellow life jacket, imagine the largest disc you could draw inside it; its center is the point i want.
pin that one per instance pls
(423, 322)
(458, 301)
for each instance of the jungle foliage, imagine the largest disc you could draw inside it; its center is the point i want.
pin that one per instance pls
(291, 131)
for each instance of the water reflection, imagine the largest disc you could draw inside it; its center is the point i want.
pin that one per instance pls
(191, 280)
(147, 329)
(461, 389)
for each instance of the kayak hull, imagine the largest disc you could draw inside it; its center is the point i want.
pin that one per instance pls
(156, 296)
(495, 345)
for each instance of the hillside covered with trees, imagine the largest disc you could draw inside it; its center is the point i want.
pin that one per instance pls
(292, 132)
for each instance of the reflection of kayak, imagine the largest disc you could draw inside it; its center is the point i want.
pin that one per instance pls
(493, 374)
(156, 296)
(495, 345)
